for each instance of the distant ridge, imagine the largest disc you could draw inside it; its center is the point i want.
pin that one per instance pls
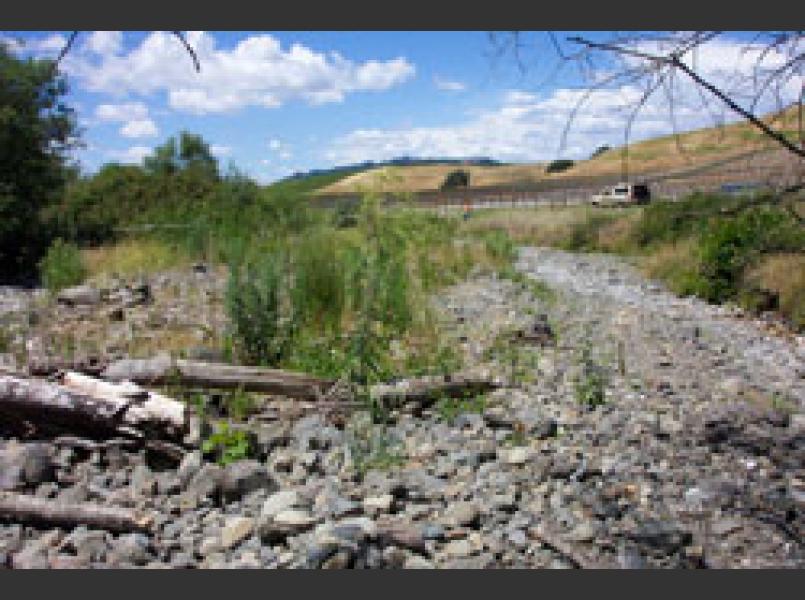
(402, 161)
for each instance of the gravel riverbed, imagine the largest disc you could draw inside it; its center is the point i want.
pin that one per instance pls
(695, 457)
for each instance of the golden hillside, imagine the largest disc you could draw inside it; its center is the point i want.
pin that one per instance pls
(659, 155)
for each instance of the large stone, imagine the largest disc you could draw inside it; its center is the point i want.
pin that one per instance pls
(79, 295)
(132, 548)
(206, 483)
(281, 501)
(26, 464)
(519, 455)
(461, 514)
(285, 523)
(378, 504)
(243, 477)
(235, 530)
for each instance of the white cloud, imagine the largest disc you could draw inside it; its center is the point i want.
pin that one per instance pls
(221, 150)
(528, 127)
(121, 112)
(258, 71)
(133, 115)
(105, 42)
(448, 85)
(139, 128)
(131, 155)
(274, 144)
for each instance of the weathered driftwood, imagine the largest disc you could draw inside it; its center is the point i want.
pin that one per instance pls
(422, 391)
(46, 366)
(163, 370)
(39, 511)
(83, 404)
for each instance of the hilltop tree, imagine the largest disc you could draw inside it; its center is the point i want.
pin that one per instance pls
(36, 131)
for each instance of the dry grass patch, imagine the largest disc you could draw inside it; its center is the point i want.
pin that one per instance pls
(783, 274)
(131, 258)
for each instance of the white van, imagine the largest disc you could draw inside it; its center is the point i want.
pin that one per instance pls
(623, 194)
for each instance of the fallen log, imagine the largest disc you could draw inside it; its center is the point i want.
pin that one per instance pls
(82, 404)
(47, 366)
(20, 508)
(423, 391)
(163, 370)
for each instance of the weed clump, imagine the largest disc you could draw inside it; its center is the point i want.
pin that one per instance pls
(62, 266)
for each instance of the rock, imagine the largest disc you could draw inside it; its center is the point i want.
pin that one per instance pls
(341, 559)
(235, 530)
(519, 455)
(461, 514)
(31, 558)
(210, 545)
(243, 477)
(415, 561)
(433, 532)
(377, 504)
(89, 544)
(660, 537)
(143, 482)
(458, 548)
(545, 429)
(190, 465)
(29, 464)
(79, 295)
(132, 548)
(206, 483)
(725, 526)
(281, 501)
(583, 532)
(285, 523)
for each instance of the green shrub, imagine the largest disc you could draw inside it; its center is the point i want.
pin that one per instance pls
(456, 179)
(729, 246)
(591, 384)
(258, 309)
(227, 445)
(62, 266)
(559, 165)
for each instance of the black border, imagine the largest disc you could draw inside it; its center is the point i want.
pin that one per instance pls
(355, 15)
(326, 585)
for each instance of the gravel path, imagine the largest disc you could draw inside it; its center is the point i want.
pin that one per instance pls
(701, 346)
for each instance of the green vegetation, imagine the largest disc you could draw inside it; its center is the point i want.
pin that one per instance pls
(349, 302)
(62, 266)
(591, 384)
(227, 445)
(450, 408)
(36, 131)
(559, 165)
(456, 179)
(745, 249)
(372, 447)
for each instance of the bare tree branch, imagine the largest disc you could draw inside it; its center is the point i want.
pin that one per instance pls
(673, 59)
(178, 34)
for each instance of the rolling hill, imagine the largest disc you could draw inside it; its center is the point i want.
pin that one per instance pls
(668, 154)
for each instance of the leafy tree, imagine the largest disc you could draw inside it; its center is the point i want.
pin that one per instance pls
(36, 131)
(455, 179)
(559, 165)
(190, 153)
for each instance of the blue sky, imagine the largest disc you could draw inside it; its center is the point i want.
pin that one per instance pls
(279, 102)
